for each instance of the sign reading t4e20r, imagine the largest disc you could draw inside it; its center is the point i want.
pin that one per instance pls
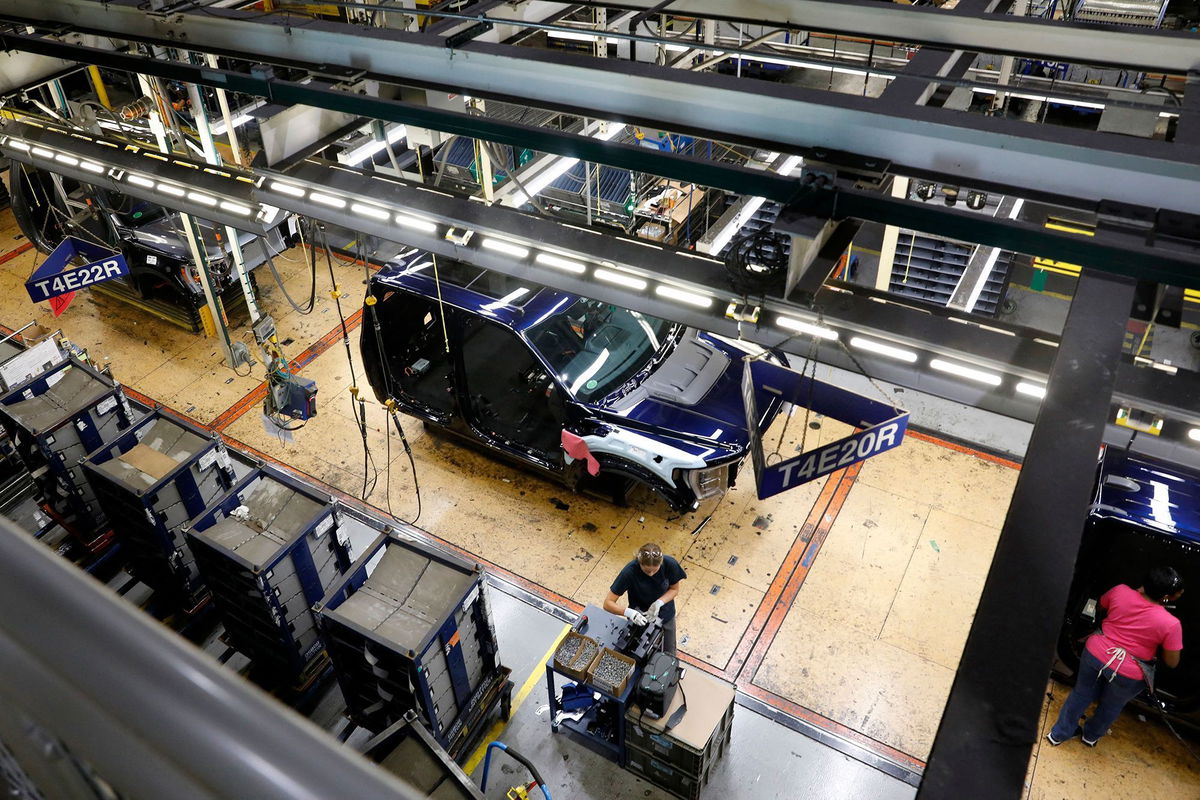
(881, 426)
(56, 279)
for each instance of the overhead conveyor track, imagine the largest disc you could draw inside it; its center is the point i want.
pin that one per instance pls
(1068, 165)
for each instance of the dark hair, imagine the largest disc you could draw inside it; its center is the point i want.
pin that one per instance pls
(650, 555)
(1162, 582)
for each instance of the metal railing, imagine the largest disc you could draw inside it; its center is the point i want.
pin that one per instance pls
(142, 708)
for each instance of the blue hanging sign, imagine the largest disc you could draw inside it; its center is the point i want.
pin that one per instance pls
(56, 277)
(880, 426)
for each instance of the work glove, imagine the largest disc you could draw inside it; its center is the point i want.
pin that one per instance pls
(654, 608)
(635, 616)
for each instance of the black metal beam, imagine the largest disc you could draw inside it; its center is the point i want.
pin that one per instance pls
(990, 723)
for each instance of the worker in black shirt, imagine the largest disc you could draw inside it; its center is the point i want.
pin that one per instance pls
(652, 581)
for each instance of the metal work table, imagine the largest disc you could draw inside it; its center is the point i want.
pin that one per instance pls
(606, 629)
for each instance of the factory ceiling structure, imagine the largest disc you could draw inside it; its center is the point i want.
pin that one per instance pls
(1141, 194)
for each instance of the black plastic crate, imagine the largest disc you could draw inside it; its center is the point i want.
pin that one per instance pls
(155, 477)
(668, 777)
(55, 420)
(269, 550)
(695, 744)
(409, 616)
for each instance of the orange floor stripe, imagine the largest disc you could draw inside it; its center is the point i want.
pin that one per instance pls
(962, 448)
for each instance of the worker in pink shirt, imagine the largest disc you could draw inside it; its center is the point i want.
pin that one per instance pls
(1136, 626)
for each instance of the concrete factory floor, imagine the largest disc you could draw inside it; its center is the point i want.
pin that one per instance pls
(839, 608)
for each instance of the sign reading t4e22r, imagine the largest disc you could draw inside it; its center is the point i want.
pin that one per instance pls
(881, 426)
(55, 280)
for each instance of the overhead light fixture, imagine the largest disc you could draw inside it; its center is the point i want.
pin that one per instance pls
(288, 189)
(872, 346)
(619, 279)
(962, 371)
(1194, 434)
(17, 144)
(327, 200)
(508, 248)
(236, 208)
(806, 327)
(416, 223)
(43, 152)
(683, 296)
(138, 180)
(92, 166)
(579, 37)
(370, 211)
(565, 264)
(1031, 389)
(174, 191)
(66, 159)
(372, 148)
(218, 128)
(552, 172)
(202, 199)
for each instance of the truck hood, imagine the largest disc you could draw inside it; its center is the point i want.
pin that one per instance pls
(695, 392)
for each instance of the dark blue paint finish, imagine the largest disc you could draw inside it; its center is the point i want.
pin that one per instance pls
(1164, 498)
(882, 426)
(54, 277)
(714, 429)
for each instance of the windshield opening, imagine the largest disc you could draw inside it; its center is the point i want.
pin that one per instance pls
(595, 347)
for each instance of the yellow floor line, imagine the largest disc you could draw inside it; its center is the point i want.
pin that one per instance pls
(539, 671)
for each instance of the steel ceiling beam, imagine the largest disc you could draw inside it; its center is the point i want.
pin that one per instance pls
(990, 33)
(1140, 255)
(990, 723)
(1051, 161)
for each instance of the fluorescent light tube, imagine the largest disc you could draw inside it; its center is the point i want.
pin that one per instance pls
(202, 199)
(553, 172)
(872, 346)
(970, 373)
(682, 296)
(805, 327)
(579, 37)
(218, 128)
(17, 144)
(236, 208)
(174, 191)
(138, 180)
(327, 200)
(370, 149)
(508, 248)
(66, 159)
(1031, 389)
(415, 223)
(370, 211)
(288, 189)
(43, 152)
(1194, 434)
(92, 166)
(559, 262)
(619, 279)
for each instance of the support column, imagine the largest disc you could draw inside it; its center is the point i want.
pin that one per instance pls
(991, 720)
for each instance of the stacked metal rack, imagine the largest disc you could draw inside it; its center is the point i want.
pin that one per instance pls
(54, 420)
(155, 477)
(269, 550)
(410, 629)
(409, 752)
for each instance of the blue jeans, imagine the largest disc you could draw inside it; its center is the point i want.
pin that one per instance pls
(1092, 685)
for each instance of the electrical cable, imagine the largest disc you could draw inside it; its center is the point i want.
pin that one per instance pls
(357, 405)
(312, 292)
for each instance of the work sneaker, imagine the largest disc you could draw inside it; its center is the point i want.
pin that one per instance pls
(1056, 742)
(1089, 742)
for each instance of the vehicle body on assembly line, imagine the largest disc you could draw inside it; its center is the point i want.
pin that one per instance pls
(512, 366)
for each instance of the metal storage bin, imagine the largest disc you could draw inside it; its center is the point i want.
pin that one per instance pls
(150, 481)
(409, 628)
(55, 420)
(269, 550)
(408, 751)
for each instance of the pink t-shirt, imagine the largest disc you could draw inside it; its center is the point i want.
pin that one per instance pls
(1136, 624)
